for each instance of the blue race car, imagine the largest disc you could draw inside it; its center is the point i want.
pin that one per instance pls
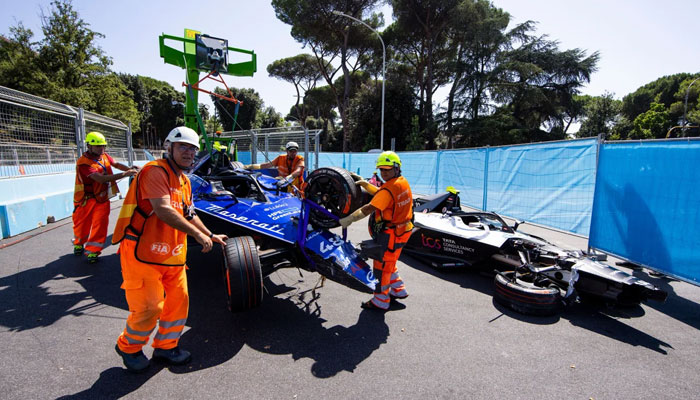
(270, 229)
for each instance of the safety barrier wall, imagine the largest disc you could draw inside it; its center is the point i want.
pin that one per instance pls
(29, 202)
(550, 184)
(645, 207)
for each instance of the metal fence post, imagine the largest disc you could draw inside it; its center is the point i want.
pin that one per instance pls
(80, 132)
(317, 145)
(129, 147)
(437, 167)
(486, 179)
(254, 147)
(306, 145)
(267, 148)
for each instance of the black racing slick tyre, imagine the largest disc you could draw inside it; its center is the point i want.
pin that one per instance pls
(525, 297)
(333, 189)
(242, 274)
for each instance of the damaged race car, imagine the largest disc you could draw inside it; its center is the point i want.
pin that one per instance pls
(269, 228)
(533, 276)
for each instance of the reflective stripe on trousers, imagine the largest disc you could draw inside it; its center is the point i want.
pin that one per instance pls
(155, 294)
(390, 283)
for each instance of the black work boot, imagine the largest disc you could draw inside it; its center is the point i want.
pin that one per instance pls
(174, 356)
(134, 362)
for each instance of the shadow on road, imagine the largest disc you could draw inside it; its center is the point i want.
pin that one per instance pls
(280, 326)
(40, 296)
(291, 325)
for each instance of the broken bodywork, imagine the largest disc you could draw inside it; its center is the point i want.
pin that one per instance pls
(532, 273)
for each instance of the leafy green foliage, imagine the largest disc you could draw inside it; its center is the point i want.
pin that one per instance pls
(251, 113)
(599, 115)
(651, 124)
(302, 71)
(66, 66)
(331, 37)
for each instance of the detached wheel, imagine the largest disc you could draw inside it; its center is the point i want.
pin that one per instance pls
(242, 274)
(525, 297)
(333, 189)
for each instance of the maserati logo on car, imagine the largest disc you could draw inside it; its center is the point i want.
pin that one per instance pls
(160, 248)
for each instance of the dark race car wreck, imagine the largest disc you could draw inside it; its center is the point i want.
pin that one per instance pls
(270, 229)
(533, 276)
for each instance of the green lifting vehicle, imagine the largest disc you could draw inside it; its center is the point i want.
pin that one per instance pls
(208, 54)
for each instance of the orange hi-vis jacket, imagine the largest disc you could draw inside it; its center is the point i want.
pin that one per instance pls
(99, 191)
(399, 217)
(156, 242)
(286, 167)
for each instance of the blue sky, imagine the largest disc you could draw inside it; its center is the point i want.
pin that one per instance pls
(639, 41)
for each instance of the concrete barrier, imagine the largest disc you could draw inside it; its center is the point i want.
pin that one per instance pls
(28, 202)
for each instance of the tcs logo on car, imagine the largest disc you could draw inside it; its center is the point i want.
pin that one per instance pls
(430, 242)
(162, 249)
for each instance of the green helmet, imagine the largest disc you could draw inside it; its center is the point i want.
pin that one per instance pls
(218, 146)
(95, 139)
(388, 159)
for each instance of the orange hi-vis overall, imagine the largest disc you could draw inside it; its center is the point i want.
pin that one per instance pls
(392, 225)
(91, 204)
(286, 166)
(153, 256)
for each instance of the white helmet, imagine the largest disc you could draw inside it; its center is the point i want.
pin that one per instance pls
(291, 145)
(182, 134)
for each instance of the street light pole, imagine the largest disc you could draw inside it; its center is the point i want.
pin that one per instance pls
(381, 140)
(685, 108)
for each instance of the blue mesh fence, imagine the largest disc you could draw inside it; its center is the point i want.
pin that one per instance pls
(550, 184)
(463, 169)
(645, 207)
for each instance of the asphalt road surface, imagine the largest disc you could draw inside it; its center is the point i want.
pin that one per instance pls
(60, 317)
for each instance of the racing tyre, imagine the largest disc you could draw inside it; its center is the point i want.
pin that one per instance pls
(333, 189)
(525, 297)
(242, 274)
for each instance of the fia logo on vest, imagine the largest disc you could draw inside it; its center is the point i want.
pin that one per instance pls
(162, 249)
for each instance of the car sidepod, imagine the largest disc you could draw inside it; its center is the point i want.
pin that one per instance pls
(338, 260)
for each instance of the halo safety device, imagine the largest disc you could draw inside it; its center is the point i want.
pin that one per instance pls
(388, 159)
(291, 145)
(183, 134)
(95, 139)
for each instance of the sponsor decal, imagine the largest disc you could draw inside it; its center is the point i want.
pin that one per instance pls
(452, 247)
(430, 242)
(177, 250)
(160, 248)
(274, 228)
(335, 241)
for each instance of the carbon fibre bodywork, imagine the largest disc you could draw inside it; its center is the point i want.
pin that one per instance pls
(447, 236)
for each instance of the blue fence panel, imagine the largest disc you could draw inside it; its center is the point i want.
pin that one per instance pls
(463, 169)
(244, 157)
(419, 168)
(550, 184)
(645, 207)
